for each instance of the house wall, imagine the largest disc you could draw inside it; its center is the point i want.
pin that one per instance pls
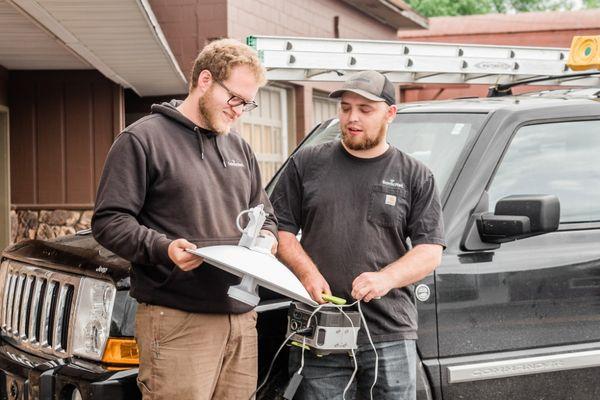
(5, 214)
(3, 86)
(62, 126)
(189, 25)
(314, 18)
(302, 18)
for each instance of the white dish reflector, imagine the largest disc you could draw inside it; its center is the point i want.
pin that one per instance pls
(255, 268)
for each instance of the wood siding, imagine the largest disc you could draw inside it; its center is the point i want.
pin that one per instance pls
(3, 86)
(5, 221)
(189, 25)
(62, 126)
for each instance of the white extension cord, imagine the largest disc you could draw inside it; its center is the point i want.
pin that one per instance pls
(340, 308)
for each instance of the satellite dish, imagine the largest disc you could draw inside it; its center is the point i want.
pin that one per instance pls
(255, 268)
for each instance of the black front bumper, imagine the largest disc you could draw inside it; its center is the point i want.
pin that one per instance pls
(26, 377)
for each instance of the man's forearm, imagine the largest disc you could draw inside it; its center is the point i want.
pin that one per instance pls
(291, 253)
(419, 262)
(123, 235)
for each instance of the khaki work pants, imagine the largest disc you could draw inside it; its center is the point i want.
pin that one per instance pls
(196, 356)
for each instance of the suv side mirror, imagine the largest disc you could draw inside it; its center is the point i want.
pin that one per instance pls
(519, 216)
(515, 217)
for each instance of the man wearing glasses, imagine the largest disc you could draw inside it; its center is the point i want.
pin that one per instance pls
(175, 180)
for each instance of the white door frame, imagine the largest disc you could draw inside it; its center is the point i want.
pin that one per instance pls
(5, 225)
(270, 158)
(284, 123)
(284, 120)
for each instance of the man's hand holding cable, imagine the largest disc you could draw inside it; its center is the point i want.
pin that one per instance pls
(293, 255)
(315, 284)
(184, 260)
(415, 265)
(370, 285)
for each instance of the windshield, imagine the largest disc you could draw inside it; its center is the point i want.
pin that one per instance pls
(438, 140)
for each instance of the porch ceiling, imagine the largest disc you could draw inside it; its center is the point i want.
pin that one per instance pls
(120, 38)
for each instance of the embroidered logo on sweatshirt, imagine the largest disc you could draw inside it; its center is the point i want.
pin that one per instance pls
(235, 163)
(393, 183)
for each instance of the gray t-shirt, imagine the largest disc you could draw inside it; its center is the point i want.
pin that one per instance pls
(355, 215)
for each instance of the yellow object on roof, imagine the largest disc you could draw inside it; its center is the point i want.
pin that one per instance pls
(585, 53)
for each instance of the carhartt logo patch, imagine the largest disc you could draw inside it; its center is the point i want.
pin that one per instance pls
(235, 163)
(390, 200)
(393, 183)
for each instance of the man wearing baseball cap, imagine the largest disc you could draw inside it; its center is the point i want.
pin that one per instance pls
(357, 201)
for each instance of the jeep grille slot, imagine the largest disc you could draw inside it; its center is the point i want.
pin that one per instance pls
(36, 307)
(17, 303)
(40, 310)
(11, 288)
(48, 314)
(62, 309)
(5, 300)
(25, 312)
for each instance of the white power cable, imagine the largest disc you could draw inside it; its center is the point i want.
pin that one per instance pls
(237, 220)
(362, 316)
(281, 348)
(304, 337)
(339, 307)
(272, 364)
(351, 376)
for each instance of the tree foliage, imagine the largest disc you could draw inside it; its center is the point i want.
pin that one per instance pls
(434, 8)
(591, 3)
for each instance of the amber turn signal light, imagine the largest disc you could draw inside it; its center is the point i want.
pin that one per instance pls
(121, 351)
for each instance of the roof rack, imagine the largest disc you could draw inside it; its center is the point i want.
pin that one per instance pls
(315, 59)
(505, 89)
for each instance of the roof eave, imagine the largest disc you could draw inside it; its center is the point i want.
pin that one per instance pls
(50, 23)
(393, 13)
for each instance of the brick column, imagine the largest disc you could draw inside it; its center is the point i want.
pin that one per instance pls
(303, 111)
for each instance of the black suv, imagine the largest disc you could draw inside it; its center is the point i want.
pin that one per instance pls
(513, 311)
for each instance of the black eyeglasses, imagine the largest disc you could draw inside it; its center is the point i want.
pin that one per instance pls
(236, 101)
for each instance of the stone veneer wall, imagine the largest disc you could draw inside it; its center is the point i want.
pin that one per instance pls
(47, 224)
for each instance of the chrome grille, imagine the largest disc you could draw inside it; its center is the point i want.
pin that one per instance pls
(25, 311)
(36, 307)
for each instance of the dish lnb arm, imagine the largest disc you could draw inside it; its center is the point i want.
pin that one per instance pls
(251, 237)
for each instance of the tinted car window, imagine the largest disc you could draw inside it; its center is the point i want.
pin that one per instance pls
(556, 158)
(437, 140)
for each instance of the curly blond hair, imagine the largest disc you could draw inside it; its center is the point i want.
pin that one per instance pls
(220, 56)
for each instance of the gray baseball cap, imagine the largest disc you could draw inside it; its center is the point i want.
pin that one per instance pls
(369, 84)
